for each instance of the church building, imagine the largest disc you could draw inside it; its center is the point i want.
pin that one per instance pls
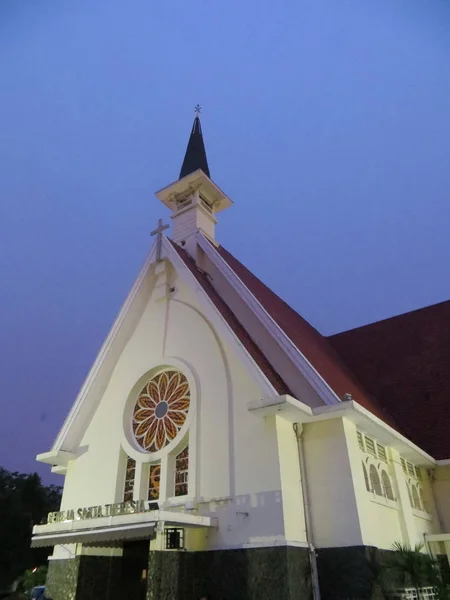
(222, 448)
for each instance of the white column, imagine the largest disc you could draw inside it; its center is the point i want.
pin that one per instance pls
(140, 481)
(167, 468)
(291, 484)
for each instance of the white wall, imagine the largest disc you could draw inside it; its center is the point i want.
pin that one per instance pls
(240, 463)
(188, 221)
(236, 455)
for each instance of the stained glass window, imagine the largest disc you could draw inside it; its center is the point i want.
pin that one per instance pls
(161, 410)
(129, 480)
(154, 481)
(181, 472)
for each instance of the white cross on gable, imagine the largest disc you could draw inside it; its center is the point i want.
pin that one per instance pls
(159, 233)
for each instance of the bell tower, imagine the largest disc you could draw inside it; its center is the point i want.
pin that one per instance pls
(194, 198)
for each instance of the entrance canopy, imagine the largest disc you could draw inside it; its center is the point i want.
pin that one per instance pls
(111, 529)
(97, 534)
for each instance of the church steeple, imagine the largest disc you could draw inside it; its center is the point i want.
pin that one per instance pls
(195, 157)
(194, 199)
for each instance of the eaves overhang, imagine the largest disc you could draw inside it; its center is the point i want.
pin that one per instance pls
(59, 458)
(295, 411)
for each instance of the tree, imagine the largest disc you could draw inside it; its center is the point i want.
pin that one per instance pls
(377, 573)
(31, 578)
(420, 569)
(435, 578)
(24, 502)
(411, 563)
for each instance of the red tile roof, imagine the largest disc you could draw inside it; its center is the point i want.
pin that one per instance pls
(398, 369)
(308, 340)
(405, 362)
(236, 327)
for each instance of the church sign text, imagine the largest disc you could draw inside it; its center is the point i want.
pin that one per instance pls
(105, 510)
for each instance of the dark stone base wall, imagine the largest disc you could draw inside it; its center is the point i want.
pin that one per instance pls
(84, 578)
(248, 574)
(283, 573)
(62, 579)
(445, 568)
(99, 578)
(359, 572)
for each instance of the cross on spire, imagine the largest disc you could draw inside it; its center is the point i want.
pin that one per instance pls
(197, 109)
(159, 233)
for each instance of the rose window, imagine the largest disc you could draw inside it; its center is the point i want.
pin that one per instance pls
(161, 410)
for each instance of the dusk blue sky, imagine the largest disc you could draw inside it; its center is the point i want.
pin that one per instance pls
(327, 123)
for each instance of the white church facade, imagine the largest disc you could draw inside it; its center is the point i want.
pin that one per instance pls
(222, 448)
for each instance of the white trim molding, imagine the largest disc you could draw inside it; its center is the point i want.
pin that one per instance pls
(285, 343)
(89, 396)
(81, 399)
(220, 324)
(57, 458)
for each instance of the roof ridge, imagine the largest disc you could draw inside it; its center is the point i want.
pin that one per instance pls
(404, 362)
(392, 318)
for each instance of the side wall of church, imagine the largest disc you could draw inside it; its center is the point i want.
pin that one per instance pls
(441, 488)
(233, 455)
(384, 521)
(344, 511)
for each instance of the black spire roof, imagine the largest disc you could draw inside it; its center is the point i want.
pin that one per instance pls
(195, 157)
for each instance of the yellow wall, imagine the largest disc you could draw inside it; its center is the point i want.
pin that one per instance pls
(344, 513)
(335, 520)
(384, 522)
(441, 488)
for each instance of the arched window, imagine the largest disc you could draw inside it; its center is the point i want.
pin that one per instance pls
(411, 501)
(375, 481)
(182, 472)
(423, 501)
(416, 499)
(153, 482)
(387, 486)
(366, 478)
(129, 480)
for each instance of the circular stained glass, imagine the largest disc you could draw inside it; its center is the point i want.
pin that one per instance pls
(161, 410)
